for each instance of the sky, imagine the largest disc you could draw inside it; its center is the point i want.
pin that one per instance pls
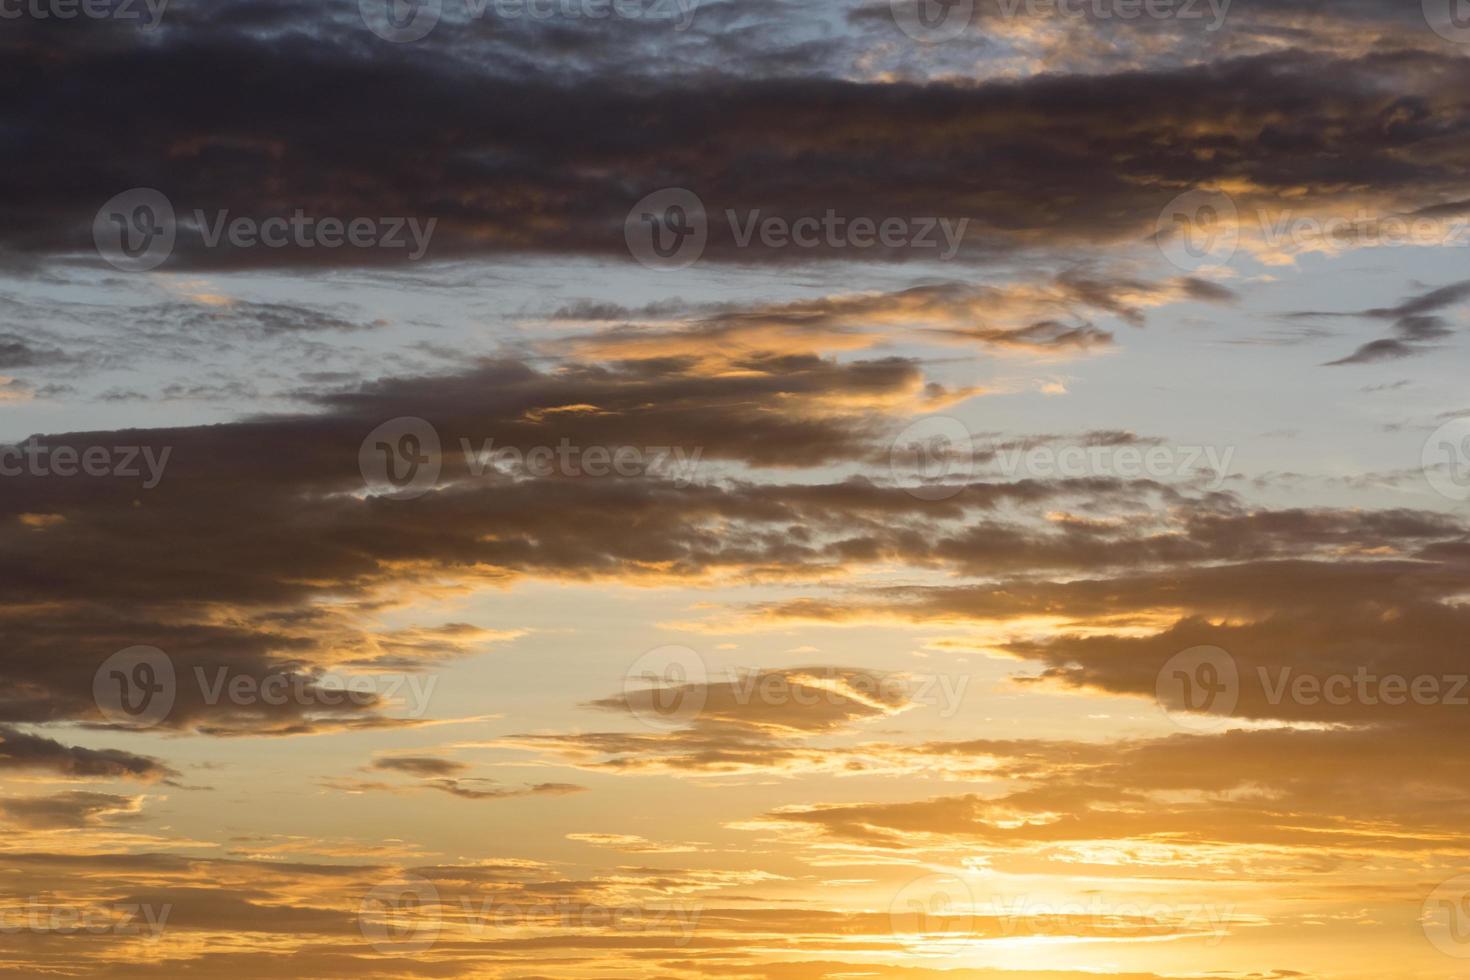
(766, 490)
